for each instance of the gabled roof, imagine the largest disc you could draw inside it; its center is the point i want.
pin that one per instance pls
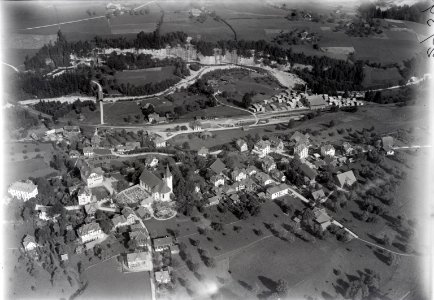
(23, 186)
(241, 142)
(346, 178)
(217, 166)
(307, 171)
(28, 239)
(319, 194)
(86, 228)
(150, 179)
(277, 188)
(163, 242)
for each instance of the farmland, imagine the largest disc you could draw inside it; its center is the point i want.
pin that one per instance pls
(375, 77)
(143, 76)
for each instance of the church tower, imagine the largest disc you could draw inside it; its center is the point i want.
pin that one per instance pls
(168, 178)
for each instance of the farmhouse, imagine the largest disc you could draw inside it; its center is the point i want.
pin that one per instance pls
(29, 243)
(163, 243)
(262, 148)
(162, 276)
(196, 125)
(268, 164)
(263, 179)
(321, 218)
(346, 178)
(23, 190)
(204, 152)
(277, 191)
(90, 232)
(301, 150)
(84, 195)
(238, 174)
(156, 118)
(241, 145)
(387, 144)
(327, 150)
(217, 166)
(160, 189)
(140, 260)
(92, 177)
(139, 237)
(159, 142)
(88, 152)
(316, 102)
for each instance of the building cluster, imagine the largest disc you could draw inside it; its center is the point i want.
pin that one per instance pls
(284, 101)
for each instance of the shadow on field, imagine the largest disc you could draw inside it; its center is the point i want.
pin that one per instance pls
(270, 284)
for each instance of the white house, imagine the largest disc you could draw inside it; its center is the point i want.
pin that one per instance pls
(90, 232)
(217, 180)
(301, 150)
(29, 243)
(263, 179)
(327, 150)
(241, 145)
(268, 164)
(151, 162)
(88, 152)
(159, 142)
(238, 174)
(23, 190)
(92, 177)
(140, 260)
(277, 191)
(84, 196)
(262, 148)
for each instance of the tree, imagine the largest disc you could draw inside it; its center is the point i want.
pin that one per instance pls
(247, 100)
(282, 287)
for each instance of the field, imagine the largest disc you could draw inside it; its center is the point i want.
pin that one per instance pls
(144, 76)
(375, 77)
(116, 285)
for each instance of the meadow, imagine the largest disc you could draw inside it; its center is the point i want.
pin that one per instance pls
(144, 76)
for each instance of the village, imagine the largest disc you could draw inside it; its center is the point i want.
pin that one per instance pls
(114, 206)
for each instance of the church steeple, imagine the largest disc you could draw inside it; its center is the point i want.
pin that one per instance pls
(168, 178)
(168, 174)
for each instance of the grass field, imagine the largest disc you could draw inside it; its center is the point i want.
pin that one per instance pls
(144, 76)
(375, 77)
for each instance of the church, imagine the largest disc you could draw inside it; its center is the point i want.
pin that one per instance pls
(160, 189)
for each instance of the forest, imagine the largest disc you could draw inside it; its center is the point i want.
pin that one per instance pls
(405, 12)
(58, 109)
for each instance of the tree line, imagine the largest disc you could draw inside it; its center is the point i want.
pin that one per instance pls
(405, 12)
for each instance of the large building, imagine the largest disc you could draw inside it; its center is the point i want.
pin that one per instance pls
(277, 191)
(84, 196)
(160, 189)
(92, 176)
(23, 190)
(90, 232)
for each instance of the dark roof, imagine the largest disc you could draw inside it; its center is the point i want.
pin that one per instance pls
(307, 171)
(150, 179)
(218, 166)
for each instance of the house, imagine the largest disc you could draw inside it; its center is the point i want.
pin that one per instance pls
(299, 137)
(159, 142)
(128, 213)
(29, 243)
(119, 221)
(346, 178)
(321, 218)
(301, 150)
(217, 166)
(160, 189)
(327, 150)
(387, 144)
(277, 144)
(139, 260)
(139, 237)
(204, 152)
(318, 195)
(151, 161)
(74, 154)
(316, 102)
(163, 243)
(217, 180)
(277, 191)
(308, 172)
(251, 170)
(196, 125)
(23, 190)
(156, 118)
(238, 174)
(263, 179)
(91, 209)
(214, 200)
(142, 212)
(90, 232)
(88, 152)
(95, 140)
(277, 175)
(162, 277)
(241, 145)
(268, 164)
(347, 148)
(92, 177)
(84, 196)
(262, 148)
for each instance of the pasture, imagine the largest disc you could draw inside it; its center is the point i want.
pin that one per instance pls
(144, 76)
(376, 77)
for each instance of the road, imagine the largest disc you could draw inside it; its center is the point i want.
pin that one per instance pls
(235, 107)
(10, 66)
(62, 23)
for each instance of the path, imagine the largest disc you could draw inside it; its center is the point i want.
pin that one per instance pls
(142, 153)
(62, 23)
(143, 5)
(385, 249)
(412, 147)
(10, 66)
